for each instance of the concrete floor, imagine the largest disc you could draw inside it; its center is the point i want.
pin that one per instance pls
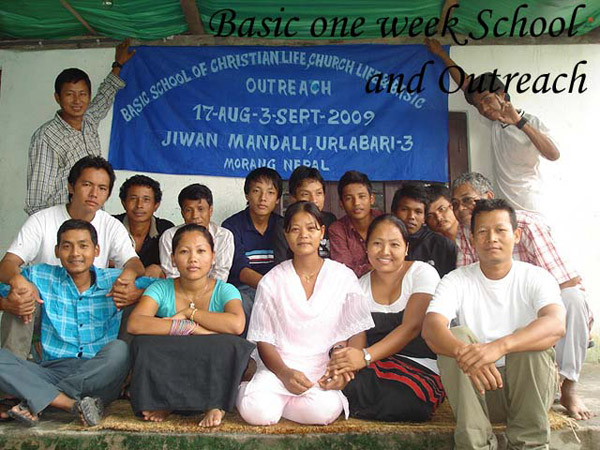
(48, 436)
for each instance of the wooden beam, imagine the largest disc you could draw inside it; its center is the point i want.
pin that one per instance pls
(81, 20)
(192, 16)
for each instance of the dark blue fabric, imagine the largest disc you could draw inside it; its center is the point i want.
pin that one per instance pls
(252, 249)
(227, 110)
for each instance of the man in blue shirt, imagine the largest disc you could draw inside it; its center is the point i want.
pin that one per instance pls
(254, 233)
(83, 365)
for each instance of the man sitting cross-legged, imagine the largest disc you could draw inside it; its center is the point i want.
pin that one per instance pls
(498, 363)
(536, 247)
(83, 365)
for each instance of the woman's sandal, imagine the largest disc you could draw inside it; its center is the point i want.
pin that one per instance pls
(23, 418)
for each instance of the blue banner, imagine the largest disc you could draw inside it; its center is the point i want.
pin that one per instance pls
(224, 111)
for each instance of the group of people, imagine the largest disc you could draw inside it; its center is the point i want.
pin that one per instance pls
(304, 316)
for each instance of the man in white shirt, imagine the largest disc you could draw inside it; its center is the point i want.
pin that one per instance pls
(536, 246)
(196, 203)
(519, 140)
(498, 364)
(90, 183)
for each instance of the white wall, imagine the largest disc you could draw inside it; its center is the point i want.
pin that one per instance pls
(26, 101)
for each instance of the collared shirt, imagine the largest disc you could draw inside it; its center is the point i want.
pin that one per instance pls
(434, 249)
(252, 249)
(536, 247)
(149, 253)
(224, 249)
(56, 146)
(348, 246)
(75, 324)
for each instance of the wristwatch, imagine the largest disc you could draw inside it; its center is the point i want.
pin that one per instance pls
(367, 356)
(521, 123)
(117, 64)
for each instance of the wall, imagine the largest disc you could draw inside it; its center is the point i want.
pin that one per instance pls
(26, 101)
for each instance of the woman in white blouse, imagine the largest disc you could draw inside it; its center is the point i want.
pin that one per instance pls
(303, 307)
(397, 378)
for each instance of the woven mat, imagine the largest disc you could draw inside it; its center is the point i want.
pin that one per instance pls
(120, 418)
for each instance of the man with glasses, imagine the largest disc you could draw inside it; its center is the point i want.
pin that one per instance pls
(519, 140)
(440, 216)
(536, 247)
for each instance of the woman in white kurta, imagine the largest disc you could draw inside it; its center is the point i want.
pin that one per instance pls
(303, 308)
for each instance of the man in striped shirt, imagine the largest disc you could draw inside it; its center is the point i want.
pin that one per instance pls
(72, 134)
(537, 247)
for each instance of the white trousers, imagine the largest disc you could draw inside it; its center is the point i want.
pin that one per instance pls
(265, 400)
(571, 349)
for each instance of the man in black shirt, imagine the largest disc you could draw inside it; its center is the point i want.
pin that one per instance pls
(140, 196)
(409, 205)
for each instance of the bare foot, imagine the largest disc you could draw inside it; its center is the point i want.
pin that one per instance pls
(573, 402)
(212, 418)
(155, 416)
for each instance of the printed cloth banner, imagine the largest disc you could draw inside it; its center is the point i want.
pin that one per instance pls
(224, 111)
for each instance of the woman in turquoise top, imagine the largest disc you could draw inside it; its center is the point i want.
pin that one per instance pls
(188, 356)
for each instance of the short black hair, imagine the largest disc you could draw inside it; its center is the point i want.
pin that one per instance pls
(92, 162)
(302, 206)
(71, 75)
(195, 191)
(353, 177)
(437, 190)
(141, 180)
(264, 173)
(77, 224)
(391, 219)
(189, 228)
(493, 204)
(304, 173)
(486, 82)
(416, 191)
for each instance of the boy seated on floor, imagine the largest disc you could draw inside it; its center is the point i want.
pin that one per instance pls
(83, 365)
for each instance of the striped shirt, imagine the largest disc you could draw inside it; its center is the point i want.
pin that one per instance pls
(56, 146)
(536, 247)
(75, 324)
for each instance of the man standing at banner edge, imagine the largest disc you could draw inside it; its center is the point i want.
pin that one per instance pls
(519, 139)
(72, 133)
